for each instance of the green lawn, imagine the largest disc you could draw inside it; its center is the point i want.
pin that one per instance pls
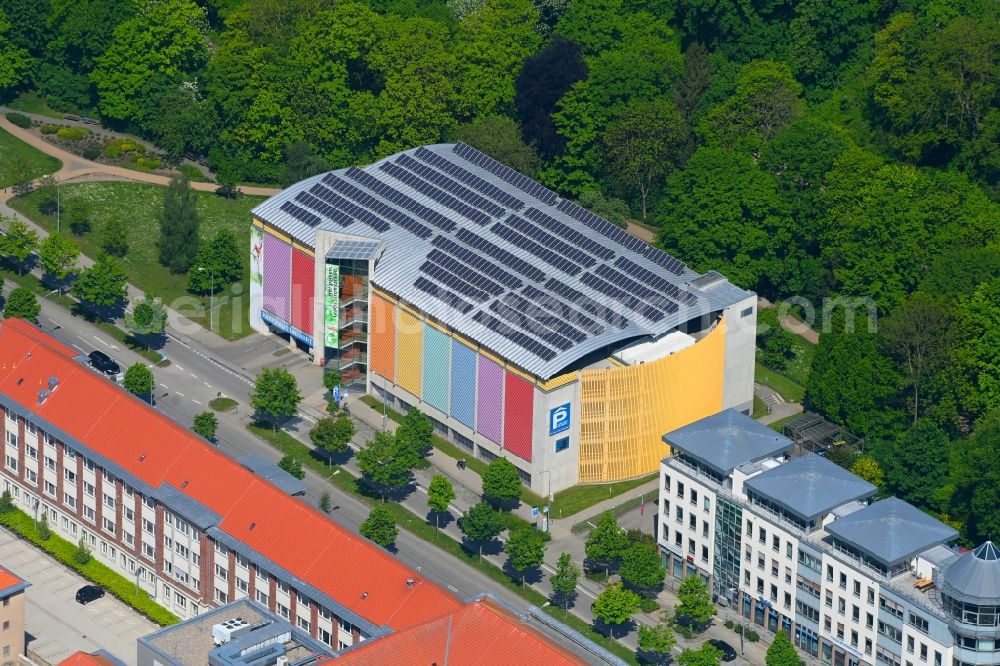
(139, 204)
(759, 408)
(576, 499)
(14, 152)
(789, 389)
(779, 425)
(31, 102)
(799, 366)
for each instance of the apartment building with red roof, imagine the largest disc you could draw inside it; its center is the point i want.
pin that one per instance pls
(194, 527)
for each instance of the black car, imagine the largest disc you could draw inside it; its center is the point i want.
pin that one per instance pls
(104, 363)
(89, 593)
(728, 651)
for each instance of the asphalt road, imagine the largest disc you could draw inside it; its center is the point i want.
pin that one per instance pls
(192, 379)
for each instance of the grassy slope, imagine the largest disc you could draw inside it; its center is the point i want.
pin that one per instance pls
(13, 150)
(139, 204)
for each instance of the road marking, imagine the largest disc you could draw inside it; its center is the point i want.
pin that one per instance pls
(179, 393)
(164, 386)
(101, 341)
(307, 418)
(196, 402)
(77, 346)
(193, 375)
(207, 384)
(178, 367)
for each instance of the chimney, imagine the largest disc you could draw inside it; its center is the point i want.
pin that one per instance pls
(53, 383)
(410, 582)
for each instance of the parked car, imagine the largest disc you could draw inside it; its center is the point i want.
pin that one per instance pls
(728, 651)
(89, 593)
(104, 363)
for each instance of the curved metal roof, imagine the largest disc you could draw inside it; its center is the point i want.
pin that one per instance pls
(975, 576)
(498, 257)
(810, 486)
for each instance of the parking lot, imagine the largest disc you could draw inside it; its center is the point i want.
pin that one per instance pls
(56, 624)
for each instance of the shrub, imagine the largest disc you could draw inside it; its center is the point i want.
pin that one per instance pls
(647, 605)
(191, 172)
(148, 163)
(751, 635)
(44, 532)
(72, 133)
(19, 119)
(112, 152)
(82, 554)
(91, 150)
(729, 624)
(50, 129)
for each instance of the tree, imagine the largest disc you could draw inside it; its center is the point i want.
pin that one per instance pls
(480, 524)
(44, 531)
(275, 395)
(15, 62)
(139, 381)
(384, 464)
(101, 285)
(57, 256)
(611, 209)
(162, 45)
(544, 79)
(606, 542)
(205, 424)
(18, 242)
(114, 238)
(694, 81)
(564, 580)
(641, 566)
(781, 652)
(148, 318)
(222, 261)
(615, 605)
(380, 527)
(325, 503)
(868, 469)
(333, 435)
(76, 212)
(706, 655)
(917, 463)
(644, 143)
(975, 472)
(48, 195)
(21, 302)
(440, 494)
(82, 553)
(694, 605)
(500, 138)
(179, 221)
(6, 502)
(414, 435)
(501, 482)
(525, 549)
(291, 465)
(300, 163)
(917, 335)
(658, 639)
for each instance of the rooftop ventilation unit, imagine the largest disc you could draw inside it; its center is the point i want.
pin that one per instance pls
(226, 631)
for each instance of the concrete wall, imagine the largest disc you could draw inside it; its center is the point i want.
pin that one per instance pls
(738, 366)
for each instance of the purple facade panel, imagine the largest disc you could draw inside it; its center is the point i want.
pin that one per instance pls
(489, 405)
(277, 277)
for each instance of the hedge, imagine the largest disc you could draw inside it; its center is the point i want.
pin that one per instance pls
(94, 571)
(72, 133)
(19, 119)
(50, 129)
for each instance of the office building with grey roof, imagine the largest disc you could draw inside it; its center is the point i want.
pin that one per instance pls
(800, 544)
(522, 324)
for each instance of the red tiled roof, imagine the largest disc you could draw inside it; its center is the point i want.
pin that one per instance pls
(479, 634)
(81, 658)
(286, 531)
(8, 579)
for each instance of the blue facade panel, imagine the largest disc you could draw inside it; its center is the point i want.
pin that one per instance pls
(436, 368)
(463, 384)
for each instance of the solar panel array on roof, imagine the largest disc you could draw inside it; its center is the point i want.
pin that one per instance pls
(353, 249)
(530, 267)
(504, 172)
(441, 180)
(471, 179)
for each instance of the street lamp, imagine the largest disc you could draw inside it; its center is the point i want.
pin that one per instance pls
(58, 208)
(211, 296)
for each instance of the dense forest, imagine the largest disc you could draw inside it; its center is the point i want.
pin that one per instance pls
(806, 148)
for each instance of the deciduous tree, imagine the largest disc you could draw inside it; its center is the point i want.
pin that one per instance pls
(781, 652)
(917, 463)
(57, 256)
(384, 464)
(658, 639)
(18, 242)
(139, 381)
(500, 138)
(641, 567)
(205, 424)
(275, 395)
(291, 465)
(544, 79)
(694, 603)
(221, 260)
(501, 482)
(21, 302)
(440, 494)
(147, 319)
(101, 285)
(706, 655)
(481, 523)
(525, 549)
(868, 469)
(380, 527)
(615, 605)
(333, 435)
(564, 579)
(607, 541)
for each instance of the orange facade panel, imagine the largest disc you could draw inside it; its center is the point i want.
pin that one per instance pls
(409, 352)
(624, 412)
(382, 338)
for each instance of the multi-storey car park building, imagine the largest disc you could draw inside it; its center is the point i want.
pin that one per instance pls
(193, 527)
(800, 544)
(522, 324)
